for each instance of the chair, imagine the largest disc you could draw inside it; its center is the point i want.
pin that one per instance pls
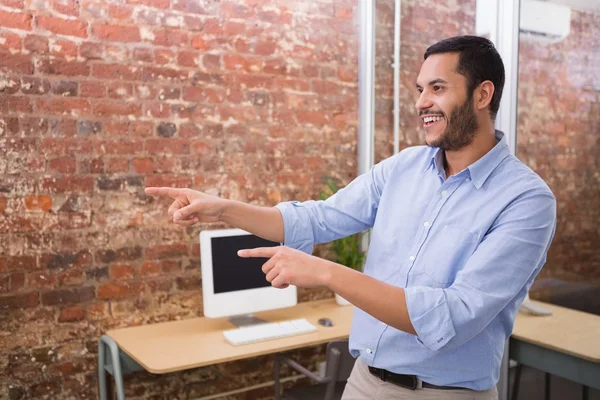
(338, 366)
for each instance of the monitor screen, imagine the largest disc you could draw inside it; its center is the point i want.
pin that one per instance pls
(231, 272)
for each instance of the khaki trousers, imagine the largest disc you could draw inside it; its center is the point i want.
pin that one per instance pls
(364, 386)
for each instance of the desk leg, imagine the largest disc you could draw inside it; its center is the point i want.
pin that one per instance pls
(547, 377)
(503, 381)
(106, 341)
(585, 394)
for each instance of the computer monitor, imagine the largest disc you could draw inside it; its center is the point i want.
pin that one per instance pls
(236, 287)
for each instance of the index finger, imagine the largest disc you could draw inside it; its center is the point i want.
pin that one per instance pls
(163, 191)
(267, 252)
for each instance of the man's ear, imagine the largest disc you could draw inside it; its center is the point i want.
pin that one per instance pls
(483, 94)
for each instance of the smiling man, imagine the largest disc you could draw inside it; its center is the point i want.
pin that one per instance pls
(460, 229)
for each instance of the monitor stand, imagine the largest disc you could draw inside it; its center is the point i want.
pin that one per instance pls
(244, 320)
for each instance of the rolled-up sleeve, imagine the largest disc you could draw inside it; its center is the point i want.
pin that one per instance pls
(500, 270)
(351, 210)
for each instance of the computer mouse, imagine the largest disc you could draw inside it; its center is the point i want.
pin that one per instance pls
(325, 322)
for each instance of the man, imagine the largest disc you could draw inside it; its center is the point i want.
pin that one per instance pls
(460, 230)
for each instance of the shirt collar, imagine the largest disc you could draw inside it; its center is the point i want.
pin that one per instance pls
(481, 169)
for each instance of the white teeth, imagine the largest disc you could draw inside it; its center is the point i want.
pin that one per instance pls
(431, 119)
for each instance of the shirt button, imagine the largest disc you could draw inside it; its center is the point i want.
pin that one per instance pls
(369, 351)
(468, 179)
(444, 193)
(426, 224)
(411, 258)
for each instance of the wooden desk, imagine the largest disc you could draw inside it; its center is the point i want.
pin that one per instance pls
(180, 345)
(566, 344)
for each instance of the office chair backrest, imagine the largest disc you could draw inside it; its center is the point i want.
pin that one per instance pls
(345, 361)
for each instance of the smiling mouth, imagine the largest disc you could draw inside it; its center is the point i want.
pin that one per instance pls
(431, 120)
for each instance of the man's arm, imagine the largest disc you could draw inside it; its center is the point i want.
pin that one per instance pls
(265, 222)
(190, 207)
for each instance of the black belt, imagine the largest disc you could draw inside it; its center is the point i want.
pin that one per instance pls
(405, 381)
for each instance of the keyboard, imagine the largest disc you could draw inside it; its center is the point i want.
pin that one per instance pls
(268, 331)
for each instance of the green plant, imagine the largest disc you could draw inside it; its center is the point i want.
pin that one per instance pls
(346, 250)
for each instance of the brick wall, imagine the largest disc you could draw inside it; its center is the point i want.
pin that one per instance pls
(559, 137)
(251, 100)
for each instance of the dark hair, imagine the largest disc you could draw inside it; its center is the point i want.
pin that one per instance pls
(478, 61)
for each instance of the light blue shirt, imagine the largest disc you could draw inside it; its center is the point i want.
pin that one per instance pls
(466, 249)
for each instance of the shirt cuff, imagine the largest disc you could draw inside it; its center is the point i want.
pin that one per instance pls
(430, 316)
(297, 232)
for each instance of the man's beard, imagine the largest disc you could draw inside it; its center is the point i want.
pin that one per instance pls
(460, 128)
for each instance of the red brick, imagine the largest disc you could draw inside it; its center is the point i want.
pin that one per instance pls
(68, 184)
(116, 71)
(15, 104)
(164, 56)
(92, 89)
(193, 7)
(149, 268)
(72, 314)
(17, 281)
(64, 165)
(119, 12)
(119, 90)
(151, 3)
(121, 254)
(63, 67)
(170, 267)
(17, 301)
(67, 27)
(41, 280)
(120, 146)
(17, 264)
(116, 165)
(16, 62)
(294, 84)
(116, 128)
(311, 117)
(64, 105)
(65, 146)
(238, 62)
(232, 9)
(143, 54)
(142, 129)
(157, 110)
(172, 146)
(70, 277)
(43, 203)
(189, 58)
(36, 44)
(12, 3)
(163, 73)
(116, 108)
(265, 47)
(15, 20)
(199, 43)
(143, 165)
(2, 204)
(114, 33)
(232, 28)
(10, 41)
(170, 37)
(117, 290)
(166, 251)
(94, 166)
(35, 86)
(169, 180)
(67, 296)
(69, 7)
(120, 272)
(64, 48)
(91, 50)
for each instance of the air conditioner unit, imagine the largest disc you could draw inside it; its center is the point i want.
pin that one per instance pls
(539, 20)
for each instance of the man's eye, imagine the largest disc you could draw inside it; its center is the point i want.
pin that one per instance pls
(420, 90)
(436, 88)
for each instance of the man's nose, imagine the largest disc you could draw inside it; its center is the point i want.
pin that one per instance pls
(423, 102)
